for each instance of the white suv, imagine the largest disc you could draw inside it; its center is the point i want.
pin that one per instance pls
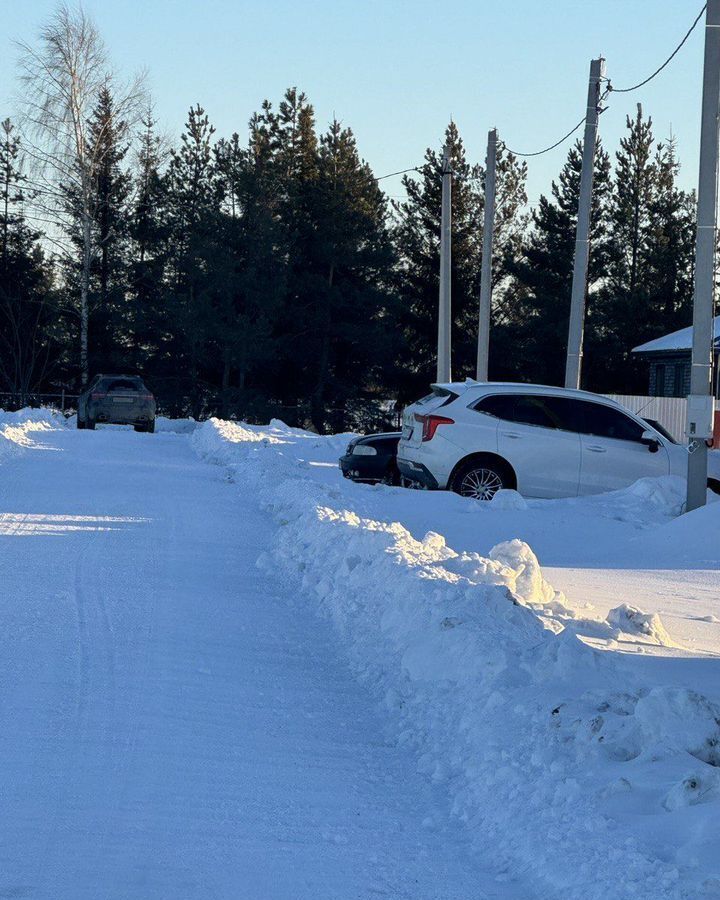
(475, 438)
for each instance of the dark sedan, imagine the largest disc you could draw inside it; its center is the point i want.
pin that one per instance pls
(372, 458)
(117, 400)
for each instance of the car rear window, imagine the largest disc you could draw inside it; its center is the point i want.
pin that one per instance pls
(123, 384)
(439, 394)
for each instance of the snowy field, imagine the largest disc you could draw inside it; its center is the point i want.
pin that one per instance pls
(227, 672)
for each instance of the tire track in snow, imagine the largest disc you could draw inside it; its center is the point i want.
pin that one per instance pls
(90, 743)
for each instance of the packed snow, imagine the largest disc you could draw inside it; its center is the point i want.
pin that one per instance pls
(543, 677)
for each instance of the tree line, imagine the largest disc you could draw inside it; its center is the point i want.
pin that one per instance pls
(269, 274)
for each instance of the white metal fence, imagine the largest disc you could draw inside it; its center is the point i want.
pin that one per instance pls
(668, 411)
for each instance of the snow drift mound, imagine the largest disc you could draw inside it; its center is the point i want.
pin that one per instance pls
(667, 494)
(648, 501)
(691, 540)
(28, 417)
(501, 702)
(629, 621)
(17, 428)
(175, 426)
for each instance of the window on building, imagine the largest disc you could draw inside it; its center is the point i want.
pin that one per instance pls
(679, 380)
(660, 380)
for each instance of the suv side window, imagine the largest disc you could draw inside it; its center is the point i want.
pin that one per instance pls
(569, 414)
(498, 405)
(596, 419)
(532, 409)
(525, 409)
(604, 421)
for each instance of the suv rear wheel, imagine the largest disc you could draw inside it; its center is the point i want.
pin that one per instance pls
(479, 480)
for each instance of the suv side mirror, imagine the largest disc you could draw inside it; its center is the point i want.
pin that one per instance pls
(650, 440)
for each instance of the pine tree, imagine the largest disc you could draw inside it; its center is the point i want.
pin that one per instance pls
(27, 346)
(625, 302)
(249, 277)
(109, 311)
(352, 253)
(668, 247)
(192, 218)
(330, 229)
(147, 230)
(649, 290)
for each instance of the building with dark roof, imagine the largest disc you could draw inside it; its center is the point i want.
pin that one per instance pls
(669, 358)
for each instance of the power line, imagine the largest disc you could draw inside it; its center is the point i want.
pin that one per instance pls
(401, 172)
(615, 90)
(668, 60)
(551, 147)
(608, 90)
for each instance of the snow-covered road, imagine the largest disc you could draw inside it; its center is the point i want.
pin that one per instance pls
(173, 724)
(227, 672)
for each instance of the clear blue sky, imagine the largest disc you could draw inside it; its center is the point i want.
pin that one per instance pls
(396, 71)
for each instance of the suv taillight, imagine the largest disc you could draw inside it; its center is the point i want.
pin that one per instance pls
(430, 425)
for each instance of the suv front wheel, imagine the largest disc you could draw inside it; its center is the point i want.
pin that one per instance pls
(479, 480)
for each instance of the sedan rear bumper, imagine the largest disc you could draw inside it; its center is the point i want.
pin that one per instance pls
(364, 468)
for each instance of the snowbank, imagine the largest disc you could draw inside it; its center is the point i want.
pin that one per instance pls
(30, 416)
(691, 539)
(560, 758)
(175, 426)
(19, 430)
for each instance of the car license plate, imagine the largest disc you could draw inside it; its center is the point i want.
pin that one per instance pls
(122, 399)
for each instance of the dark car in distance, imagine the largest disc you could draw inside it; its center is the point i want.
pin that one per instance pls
(372, 458)
(117, 400)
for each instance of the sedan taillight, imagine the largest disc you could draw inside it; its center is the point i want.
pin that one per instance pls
(430, 424)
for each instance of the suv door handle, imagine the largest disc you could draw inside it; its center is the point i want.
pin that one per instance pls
(595, 449)
(511, 434)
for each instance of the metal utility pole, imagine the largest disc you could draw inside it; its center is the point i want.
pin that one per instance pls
(444, 311)
(483, 348)
(573, 366)
(700, 405)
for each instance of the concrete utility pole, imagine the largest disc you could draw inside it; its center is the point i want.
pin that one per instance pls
(573, 366)
(483, 348)
(444, 311)
(700, 405)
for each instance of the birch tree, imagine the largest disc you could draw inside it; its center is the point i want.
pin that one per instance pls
(63, 76)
